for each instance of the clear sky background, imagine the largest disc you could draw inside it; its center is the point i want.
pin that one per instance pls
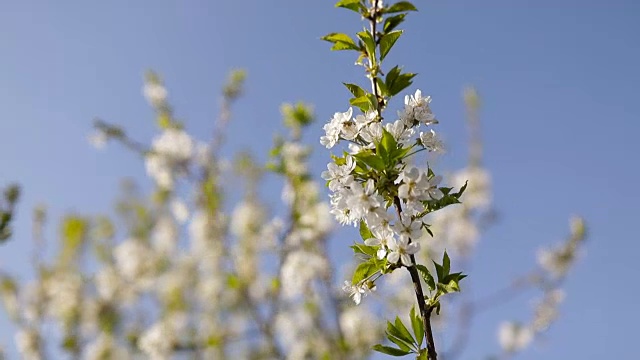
(558, 78)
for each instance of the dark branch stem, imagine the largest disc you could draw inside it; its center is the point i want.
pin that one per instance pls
(373, 71)
(425, 310)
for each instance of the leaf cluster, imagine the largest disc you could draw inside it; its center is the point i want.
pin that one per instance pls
(7, 209)
(445, 282)
(406, 342)
(374, 45)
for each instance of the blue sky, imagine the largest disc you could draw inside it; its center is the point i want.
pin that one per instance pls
(558, 81)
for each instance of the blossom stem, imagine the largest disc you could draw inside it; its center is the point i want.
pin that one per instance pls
(373, 71)
(425, 311)
(415, 152)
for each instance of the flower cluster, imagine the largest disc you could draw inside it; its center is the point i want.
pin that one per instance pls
(376, 174)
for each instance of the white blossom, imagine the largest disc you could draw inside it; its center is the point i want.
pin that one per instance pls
(358, 291)
(362, 120)
(371, 133)
(362, 199)
(382, 237)
(339, 175)
(334, 127)
(400, 132)
(431, 141)
(401, 249)
(417, 108)
(408, 228)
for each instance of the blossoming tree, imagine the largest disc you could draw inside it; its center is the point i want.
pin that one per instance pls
(186, 274)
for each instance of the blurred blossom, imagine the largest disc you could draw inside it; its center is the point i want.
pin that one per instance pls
(165, 235)
(157, 341)
(135, 262)
(246, 219)
(63, 292)
(155, 93)
(169, 153)
(555, 261)
(98, 139)
(299, 269)
(203, 154)
(514, 337)
(478, 193)
(547, 309)
(107, 283)
(180, 210)
(361, 328)
(28, 344)
(294, 155)
(105, 347)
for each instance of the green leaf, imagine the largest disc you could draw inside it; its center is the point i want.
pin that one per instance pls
(446, 264)
(341, 41)
(388, 142)
(401, 344)
(392, 75)
(439, 271)
(356, 90)
(424, 355)
(400, 6)
(400, 83)
(426, 276)
(403, 329)
(396, 82)
(364, 249)
(393, 21)
(462, 189)
(363, 271)
(382, 87)
(390, 351)
(354, 5)
(398, 154)
(369, 44)
(452, 281)
(362, 102)
(387, 42)
(365, 233)
(394, 331)
(452, 286)
(417, 325)
(373, 161)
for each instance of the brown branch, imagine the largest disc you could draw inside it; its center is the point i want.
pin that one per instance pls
(425, 311)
